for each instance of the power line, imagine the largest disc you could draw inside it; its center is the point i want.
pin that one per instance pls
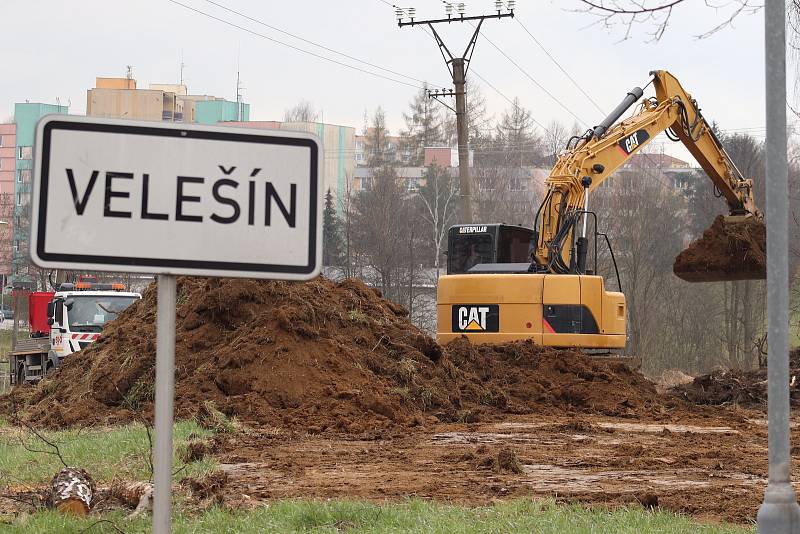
(571, 79)
(484, 80)
(512, 102)
(535, 82)
(262, 23)
(314, 54)
(487, 82)
(527, 74)
(557, 64)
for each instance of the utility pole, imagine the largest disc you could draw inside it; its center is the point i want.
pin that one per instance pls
(458, 67)
(779, 512)
(238, 96)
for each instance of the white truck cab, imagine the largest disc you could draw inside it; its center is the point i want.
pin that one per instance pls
(77, 317)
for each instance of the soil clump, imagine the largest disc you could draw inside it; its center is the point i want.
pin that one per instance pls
(726, 251)
(320, 356)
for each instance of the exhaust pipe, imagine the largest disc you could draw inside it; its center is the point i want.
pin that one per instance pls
(630, 99)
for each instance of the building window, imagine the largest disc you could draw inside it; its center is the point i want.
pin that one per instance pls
(359, 157)
(19, 152)
(518, 184)
(19, 199)
(1, 140)
(359, 145)
(25, 176)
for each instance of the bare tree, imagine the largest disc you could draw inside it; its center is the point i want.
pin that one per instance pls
(380, 209)
(478, 118)
(554, 141)
(657, 14)
(793, 44)
(304, 111)
(437, 199)
(642, 214)
(347, 208)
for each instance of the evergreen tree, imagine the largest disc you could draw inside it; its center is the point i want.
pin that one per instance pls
(331, 233)
(423, 126)
(517, 138)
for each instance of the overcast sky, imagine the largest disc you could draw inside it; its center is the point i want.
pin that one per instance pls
(54, 49)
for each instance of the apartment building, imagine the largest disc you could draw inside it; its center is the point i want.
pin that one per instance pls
(121, 98)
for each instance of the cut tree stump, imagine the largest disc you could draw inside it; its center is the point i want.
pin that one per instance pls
(72, 491)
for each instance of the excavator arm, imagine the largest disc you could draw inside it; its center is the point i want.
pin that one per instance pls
(590, 159)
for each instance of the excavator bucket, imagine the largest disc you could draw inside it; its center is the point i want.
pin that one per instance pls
(733, 248)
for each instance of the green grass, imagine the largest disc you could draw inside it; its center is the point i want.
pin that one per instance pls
(5, 341)
(107, 453)
(353, 517)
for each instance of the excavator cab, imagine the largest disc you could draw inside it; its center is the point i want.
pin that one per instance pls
(470, 245)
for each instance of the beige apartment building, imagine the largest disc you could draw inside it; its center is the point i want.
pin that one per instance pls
(121, 98)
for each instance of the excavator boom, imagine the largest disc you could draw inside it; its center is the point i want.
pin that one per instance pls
(592, 158)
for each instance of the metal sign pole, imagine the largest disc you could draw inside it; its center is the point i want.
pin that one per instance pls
(779, 513)
(165, 395)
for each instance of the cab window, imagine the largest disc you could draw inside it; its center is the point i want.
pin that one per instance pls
(466, 251)
(513, 245)
(58, 316)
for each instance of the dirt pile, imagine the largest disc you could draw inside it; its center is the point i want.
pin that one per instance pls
(319, 356)
(733, 386)
(726, 251)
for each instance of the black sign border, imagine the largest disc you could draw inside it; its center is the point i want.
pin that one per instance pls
(123, 261)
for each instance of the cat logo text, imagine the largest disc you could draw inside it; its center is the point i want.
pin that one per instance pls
(476, 318)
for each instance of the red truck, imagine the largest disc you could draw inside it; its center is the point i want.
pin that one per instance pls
(64, 322)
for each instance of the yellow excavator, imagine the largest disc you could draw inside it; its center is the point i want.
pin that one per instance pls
(506, 283)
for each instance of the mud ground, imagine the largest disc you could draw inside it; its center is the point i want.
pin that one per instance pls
(340, 396)
(709, 468)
